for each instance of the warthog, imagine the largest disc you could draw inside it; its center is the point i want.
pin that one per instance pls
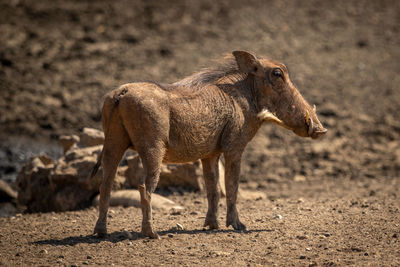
(213, 112)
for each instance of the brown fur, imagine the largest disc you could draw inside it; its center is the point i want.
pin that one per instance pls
(210, 113)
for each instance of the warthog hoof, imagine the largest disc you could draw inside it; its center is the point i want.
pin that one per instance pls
(212, 223)
(148, 231)
(151, 234)
(100, 229)
(237, 225)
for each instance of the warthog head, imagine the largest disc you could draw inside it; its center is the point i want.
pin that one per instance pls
(278, 99)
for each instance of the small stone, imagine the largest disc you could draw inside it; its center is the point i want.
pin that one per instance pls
(299, 178)
(394, 235)
(170, 235)
(89, 257)
(85, 263)
(308, 249)
(179, 226)
(129, 235)
(278, 216)
(129, 243)
(175, 211)
(194, 213)
(59, 261)
(43, 251)
(327, 234)
(302, 257)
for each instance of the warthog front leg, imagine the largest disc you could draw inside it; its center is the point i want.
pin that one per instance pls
(211, 176)
(232, 173)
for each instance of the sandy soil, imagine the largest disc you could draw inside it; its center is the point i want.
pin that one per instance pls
(338, 196)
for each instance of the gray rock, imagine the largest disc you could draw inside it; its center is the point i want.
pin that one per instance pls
(131, 197)
(91, 137)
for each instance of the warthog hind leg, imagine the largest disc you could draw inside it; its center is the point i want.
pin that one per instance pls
(211, 176)
(152, 159)
(115, 145)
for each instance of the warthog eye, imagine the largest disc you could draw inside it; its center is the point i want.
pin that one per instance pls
(277, 73)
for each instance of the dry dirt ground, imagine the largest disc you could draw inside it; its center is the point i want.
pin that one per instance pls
(337, 198)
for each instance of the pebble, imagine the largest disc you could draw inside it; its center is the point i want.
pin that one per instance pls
(44, 251)
(128, 235)
(89, 257)
(179, 226)
(170, 235)
(302, 257)
(327, 234)
(278, 216)
(59, 261)
(174, 211)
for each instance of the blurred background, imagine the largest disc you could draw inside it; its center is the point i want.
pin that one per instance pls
(58, 59)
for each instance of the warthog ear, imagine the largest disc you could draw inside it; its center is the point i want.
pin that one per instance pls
(248, 63)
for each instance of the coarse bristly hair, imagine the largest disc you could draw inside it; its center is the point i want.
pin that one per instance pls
(225, 67)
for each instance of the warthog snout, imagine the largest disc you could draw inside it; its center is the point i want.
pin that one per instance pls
(314, 130)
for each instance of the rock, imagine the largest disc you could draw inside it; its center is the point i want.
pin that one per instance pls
(7, 209)
(33, 183)
(44, 185)
(91, 137)
(131, 197)
(7, 194)
(221, 181)
(184, 175)
(69, 142)
(251, 195)
(188, 175)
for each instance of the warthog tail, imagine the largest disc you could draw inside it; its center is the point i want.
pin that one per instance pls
(97, 165)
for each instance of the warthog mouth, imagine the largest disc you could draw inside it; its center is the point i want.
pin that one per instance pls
(266, 115)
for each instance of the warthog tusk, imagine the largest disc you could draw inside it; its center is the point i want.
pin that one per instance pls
(314, 108)
(309, 122)
(267, 115)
